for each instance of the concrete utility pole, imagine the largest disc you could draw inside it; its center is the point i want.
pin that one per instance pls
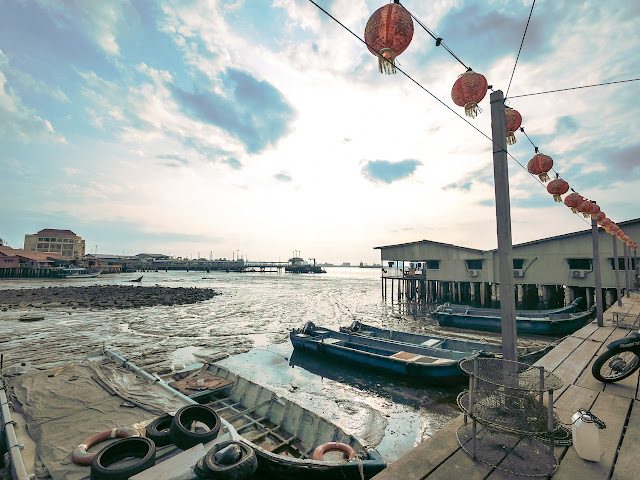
(503, 220)
(616, 268)
(626, 269)
(596, 271)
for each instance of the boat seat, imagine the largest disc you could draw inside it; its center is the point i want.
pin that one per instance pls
(406, 356)
(432, 342)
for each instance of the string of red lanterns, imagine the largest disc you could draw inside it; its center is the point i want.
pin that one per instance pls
(389, 32)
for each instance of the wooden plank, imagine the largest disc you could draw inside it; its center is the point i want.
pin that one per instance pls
(464, 467)
(586, 331)
(556, 356)
(602, 334)
(426, 457)
(612, 410)
(571, 368)
(627, 461)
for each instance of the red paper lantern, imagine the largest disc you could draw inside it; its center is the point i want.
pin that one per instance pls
(387, 34)
(595, 209)
(468, 90)
(557, 188)
(585, 208)
(573, 200)
(600, 216)
(513, 121)
(539, 165)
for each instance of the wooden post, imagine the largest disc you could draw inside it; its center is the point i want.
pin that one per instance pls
(596, 271)
(616, 268)
(503, 220)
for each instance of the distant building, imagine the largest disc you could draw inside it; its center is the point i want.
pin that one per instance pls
(346, 264)
(51, 240)
(13, 260)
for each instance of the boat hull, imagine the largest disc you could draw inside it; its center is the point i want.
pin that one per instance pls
(428, 364)
(554, 325)
(495, 312)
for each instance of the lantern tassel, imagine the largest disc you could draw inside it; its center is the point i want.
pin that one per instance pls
(544, 177)
(557, 198)
(574, 210)
(511, 138)
(386, 61)
(471, 109)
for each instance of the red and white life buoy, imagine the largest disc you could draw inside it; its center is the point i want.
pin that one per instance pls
(80, 454)
(347, 450)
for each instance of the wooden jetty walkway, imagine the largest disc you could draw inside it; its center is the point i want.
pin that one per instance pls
(441, 456)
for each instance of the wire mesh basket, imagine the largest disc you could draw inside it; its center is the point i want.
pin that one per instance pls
(521, 455)
(508, 373)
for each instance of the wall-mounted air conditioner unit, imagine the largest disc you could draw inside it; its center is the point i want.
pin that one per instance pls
(518, 273)
(473, 273)
(578, 273)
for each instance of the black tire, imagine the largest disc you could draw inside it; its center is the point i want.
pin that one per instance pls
(137, 447)
(180, 430)
(158, 430)
(614, 365)
(241, 468)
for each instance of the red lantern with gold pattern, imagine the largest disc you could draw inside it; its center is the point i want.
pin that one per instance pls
(573, 200)
(557, 188)
(468, 90)
(595, 209)
(539, 165)
(600, 216)
(513, 120)
(585, 208)
(387, 34)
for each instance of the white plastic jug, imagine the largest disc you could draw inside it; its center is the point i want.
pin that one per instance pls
(586, 436)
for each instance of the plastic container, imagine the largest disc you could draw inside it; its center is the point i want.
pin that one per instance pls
(586, 436)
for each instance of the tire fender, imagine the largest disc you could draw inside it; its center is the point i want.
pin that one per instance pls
(141, 448)
(180, 430)
(158, 430)
(81, 456)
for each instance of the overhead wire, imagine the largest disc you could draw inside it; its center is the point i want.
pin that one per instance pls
(426, 90)
(575, 88)
(520, 49)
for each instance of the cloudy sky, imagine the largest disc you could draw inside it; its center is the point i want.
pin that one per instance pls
(262, 126)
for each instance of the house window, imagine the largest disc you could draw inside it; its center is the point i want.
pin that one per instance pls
(432, 264)
(621, 263)
(518, 263)
(579, 263)
(474, 264)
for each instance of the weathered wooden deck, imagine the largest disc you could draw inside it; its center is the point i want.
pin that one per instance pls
(441, 457)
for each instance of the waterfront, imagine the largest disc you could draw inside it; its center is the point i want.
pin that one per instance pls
(250, 321)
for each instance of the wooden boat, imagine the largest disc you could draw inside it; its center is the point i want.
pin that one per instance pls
(284, 435)
(31, 317)
(554, 325)
(77, 272)
(457, 308)
(139, 279)
(53, 412)
(436, 365)
(447, 343)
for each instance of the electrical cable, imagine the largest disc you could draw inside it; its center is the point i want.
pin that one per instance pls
(575, 88)
(520, 49)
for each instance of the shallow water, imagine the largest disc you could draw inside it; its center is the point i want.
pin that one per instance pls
(250, 321)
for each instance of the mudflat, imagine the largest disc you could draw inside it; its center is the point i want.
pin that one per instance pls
(101, 297)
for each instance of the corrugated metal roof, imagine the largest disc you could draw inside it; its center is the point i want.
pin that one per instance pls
(37, 256)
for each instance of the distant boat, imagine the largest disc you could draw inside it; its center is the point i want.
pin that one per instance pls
(435, 365)
(297, 265)
(139, 279)
(31, 317)
(77, 272)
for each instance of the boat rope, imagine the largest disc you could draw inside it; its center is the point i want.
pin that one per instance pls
(360, 467)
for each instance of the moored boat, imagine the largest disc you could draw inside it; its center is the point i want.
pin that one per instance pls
(495, 312)
(435, 365)
(459, 345)
(77, 272)
(553, 325)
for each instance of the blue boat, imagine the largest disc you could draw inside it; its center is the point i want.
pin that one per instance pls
(495, 312)
(552, 325)
(432, 364)
(471, 347)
